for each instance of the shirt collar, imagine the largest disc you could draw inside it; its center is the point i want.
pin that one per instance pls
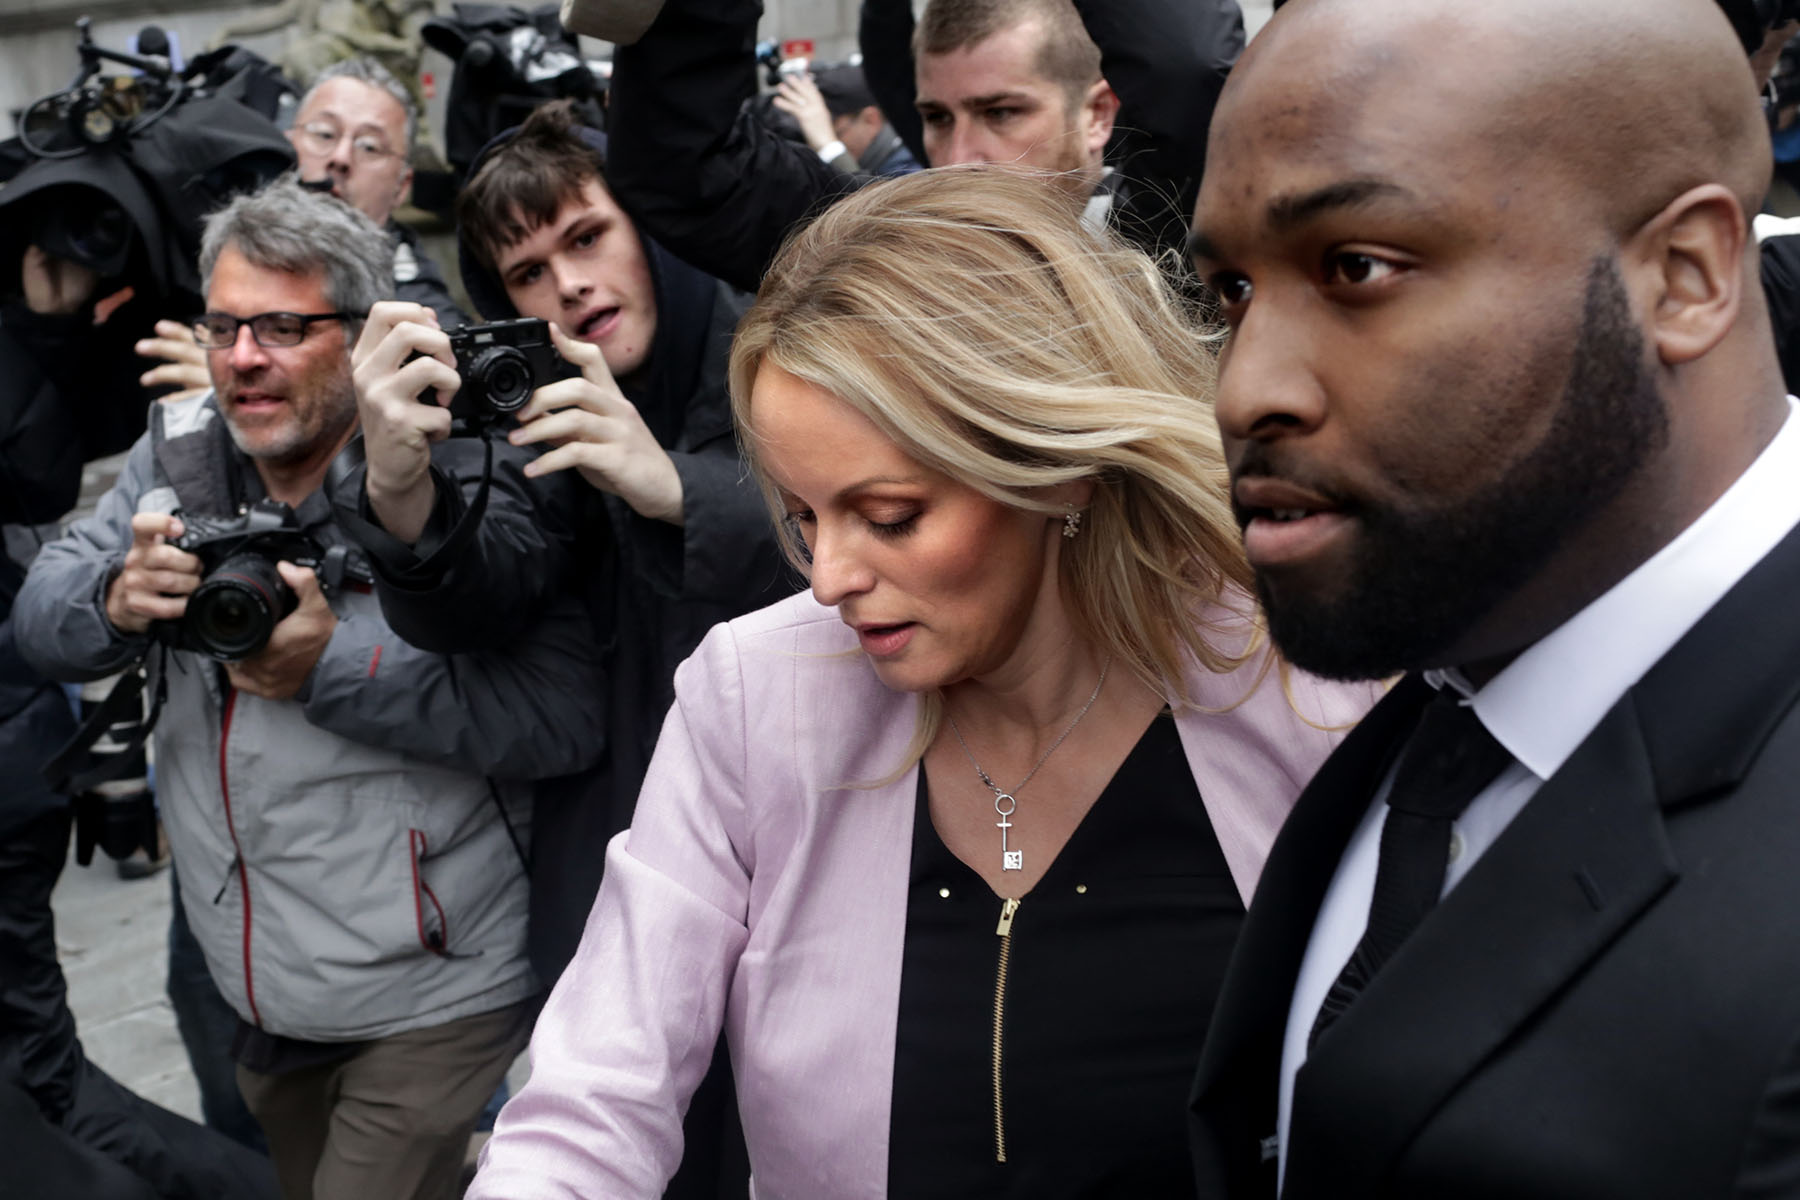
(1548, 699)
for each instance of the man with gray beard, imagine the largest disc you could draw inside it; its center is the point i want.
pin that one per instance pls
(349, 816)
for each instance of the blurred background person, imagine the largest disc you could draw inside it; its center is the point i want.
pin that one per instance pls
(838, 117)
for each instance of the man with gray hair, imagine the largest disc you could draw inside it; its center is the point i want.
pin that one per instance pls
(353, 137)
(348, 814)
(353, 133)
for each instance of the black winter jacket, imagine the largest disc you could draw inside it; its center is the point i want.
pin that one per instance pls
(653, 589)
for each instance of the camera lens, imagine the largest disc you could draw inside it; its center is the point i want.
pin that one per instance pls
(235, 608)
(503, 374)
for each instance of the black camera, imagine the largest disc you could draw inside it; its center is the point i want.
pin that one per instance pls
(501, 364)
(242, 597)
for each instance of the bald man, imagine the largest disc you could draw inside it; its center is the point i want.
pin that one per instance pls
(1504, 417)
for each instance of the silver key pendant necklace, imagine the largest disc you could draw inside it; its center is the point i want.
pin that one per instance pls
(1007, 803)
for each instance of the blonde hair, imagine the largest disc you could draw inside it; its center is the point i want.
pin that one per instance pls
(969, 314)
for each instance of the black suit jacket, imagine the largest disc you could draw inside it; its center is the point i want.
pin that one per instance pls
(1607, 1005)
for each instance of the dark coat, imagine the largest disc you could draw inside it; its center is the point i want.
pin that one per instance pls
(69, 393)
(652, 589)
(718, 187)
(1608, 1005)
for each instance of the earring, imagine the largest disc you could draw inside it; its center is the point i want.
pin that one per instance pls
(1071, 523)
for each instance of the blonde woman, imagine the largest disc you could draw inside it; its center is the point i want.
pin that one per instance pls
(955, 847)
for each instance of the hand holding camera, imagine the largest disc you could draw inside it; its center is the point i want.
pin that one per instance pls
(402, 356)
(157, 577)
(588, 424)
(276, 671)
(242, 589)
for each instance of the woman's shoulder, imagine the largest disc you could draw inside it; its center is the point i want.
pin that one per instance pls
(1260, 683)
(796, 643)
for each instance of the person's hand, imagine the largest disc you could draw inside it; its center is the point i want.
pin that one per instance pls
(277, 670)
(55, 286)
(397, 429)
(1768, 55)
(156, 579)
(183, 362)
(799, 97)
(591, 426)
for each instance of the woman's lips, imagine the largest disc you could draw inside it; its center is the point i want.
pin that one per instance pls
(884, 641)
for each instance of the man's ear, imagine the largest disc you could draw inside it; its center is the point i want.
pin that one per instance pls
(1099, 108)
(404, 187)
(1689, 258)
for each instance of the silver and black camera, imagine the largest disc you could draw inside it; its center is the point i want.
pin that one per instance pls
(242, 597)
(501, 364)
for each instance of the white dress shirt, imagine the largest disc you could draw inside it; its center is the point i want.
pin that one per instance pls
(1549, 699)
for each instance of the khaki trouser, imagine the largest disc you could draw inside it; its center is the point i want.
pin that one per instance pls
(391, 1122)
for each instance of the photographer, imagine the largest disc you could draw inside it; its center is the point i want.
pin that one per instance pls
(640, 504)
(837, 115)
(68, 378)
(347, 813)
(353, 137)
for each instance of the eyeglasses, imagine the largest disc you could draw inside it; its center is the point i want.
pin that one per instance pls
(219, 331)
(322, 138)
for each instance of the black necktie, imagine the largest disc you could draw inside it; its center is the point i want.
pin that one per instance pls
(1448, 762)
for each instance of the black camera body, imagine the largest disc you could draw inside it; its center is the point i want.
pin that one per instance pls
(242, 597)
(501, 363)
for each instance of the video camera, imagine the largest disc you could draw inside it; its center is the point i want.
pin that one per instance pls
(118, 172)
(242, 597)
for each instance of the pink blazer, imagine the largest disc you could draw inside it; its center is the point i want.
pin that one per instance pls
(754, 892)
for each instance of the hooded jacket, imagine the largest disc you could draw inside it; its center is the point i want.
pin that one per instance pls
(652, 589)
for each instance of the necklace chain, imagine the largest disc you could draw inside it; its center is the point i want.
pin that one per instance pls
(1006, 803)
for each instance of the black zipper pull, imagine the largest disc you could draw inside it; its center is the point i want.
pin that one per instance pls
(230, 870)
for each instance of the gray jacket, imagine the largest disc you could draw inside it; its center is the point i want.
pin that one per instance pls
(342, 854)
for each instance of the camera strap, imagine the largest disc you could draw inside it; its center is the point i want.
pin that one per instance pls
(344, 486)
(77, 767)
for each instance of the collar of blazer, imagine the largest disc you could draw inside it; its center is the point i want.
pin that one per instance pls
(1579, 864)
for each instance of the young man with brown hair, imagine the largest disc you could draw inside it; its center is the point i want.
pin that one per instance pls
(657, 525)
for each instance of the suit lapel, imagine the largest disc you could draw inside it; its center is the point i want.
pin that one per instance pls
(1576, 867)
(1584, 859)
(1235, 1089)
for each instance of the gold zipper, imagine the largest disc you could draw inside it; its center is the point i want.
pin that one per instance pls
(1007, 910)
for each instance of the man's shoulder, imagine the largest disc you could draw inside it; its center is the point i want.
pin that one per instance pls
(789, 640)
(798, 619)
(189, 414)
